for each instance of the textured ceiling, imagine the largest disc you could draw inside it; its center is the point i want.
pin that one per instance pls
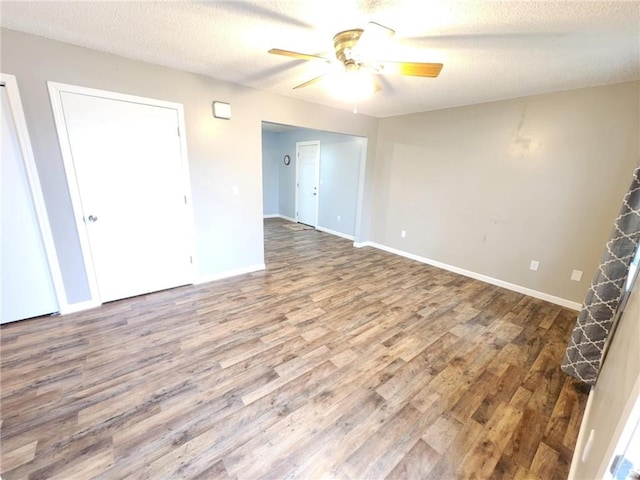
(490, 50)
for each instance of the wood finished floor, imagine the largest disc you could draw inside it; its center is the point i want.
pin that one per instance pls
(335, 362)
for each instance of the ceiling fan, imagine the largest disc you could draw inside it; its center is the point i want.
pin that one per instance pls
(356, 52)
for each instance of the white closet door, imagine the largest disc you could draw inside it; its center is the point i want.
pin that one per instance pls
(307, 168)
(27, 286)
(128, 166)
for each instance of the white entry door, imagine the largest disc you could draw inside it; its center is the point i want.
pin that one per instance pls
(129, 168)
(307, 182)
(26, 282)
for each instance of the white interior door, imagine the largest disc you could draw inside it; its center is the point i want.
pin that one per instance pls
(307, 182)
(27, 286)
(129, 172)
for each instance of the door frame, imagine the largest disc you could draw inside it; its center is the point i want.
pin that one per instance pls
(317, 177)
(40, 207)
(55, 91)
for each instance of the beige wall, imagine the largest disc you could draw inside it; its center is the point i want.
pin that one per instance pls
(488, 188)
(485, 188)
(222, 154)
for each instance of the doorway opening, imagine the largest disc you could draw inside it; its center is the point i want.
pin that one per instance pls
(339, 181)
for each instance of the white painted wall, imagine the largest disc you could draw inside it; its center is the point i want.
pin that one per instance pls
(223, 154)
(339, 175)
(488, 188)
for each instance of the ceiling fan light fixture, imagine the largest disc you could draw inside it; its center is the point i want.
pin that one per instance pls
(350, 85)
(356, 51)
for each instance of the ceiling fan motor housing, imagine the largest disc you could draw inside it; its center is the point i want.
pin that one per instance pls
(343, 43)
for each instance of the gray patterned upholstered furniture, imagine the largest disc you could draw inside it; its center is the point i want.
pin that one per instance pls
(589, 338)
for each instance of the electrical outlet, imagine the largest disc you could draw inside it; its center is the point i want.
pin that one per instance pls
(338, 217)
(576, 275)
(403, 234)
(534, 265)
(235, 190)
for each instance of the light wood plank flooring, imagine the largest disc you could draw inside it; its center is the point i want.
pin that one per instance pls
(335, 362)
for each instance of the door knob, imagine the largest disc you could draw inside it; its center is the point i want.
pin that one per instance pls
(92, 218)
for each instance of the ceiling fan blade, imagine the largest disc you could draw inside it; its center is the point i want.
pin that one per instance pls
(409, 68)
(301, 56)
(379, 31)
(372, 39)
(309, 82)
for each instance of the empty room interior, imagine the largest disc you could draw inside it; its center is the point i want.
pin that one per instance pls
(326, 240)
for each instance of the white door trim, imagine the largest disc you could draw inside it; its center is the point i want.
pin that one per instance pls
(15, 103)
(317, 176)
(357, 231)
(55, 91)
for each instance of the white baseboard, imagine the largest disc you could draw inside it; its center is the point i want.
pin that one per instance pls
(319, 228)
(563, 302)
(334, 232)
(363, 244)
(230, 273)
(277, 215)
(78, 307)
